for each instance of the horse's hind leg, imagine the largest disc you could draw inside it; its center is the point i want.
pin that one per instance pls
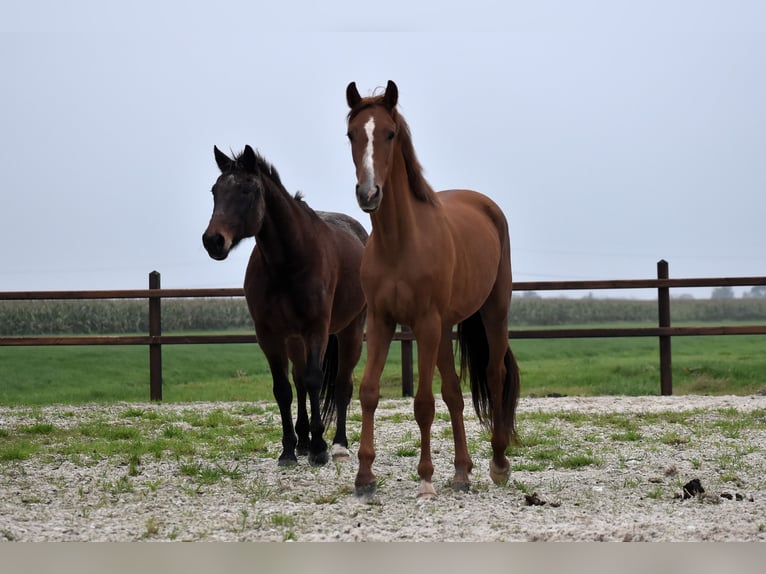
(503, 399)
(349, 350)
(313, 379)
(453, 397)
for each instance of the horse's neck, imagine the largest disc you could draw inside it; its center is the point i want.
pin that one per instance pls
(283, 235)
(396, 220)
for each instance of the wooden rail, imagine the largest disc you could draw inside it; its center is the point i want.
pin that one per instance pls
(155, 339)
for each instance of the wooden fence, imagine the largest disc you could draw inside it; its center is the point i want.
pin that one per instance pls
(155, 339)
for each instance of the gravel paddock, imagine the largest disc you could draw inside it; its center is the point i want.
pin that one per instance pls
(625, 489)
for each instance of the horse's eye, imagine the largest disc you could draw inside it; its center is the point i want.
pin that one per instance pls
(390, 135)
(349, 136)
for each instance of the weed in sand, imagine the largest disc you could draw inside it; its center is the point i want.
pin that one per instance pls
(152, 528)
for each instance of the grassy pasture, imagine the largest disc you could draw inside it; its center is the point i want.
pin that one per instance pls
(71, 375)
(630, 366)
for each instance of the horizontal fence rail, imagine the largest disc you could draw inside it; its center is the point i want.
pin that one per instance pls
(155, 340)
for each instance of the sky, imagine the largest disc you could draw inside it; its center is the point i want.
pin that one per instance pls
(612, 134)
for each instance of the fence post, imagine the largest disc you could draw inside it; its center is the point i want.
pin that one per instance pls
(663, 305)
(155, 349)
(407, 376)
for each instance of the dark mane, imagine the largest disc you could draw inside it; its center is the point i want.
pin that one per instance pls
(420, 187)
(263, 166)
(266, 168)
(302, 202)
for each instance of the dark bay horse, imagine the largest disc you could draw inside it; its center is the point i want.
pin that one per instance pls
(303, 290)
(433, 260)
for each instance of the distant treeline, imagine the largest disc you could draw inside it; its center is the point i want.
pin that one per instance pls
(84, 317)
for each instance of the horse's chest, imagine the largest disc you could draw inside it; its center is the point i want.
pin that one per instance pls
(397, 297)
(408, 285)
(289, 306)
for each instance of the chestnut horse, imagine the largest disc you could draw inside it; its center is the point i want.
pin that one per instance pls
(303, 291)
(433, 260)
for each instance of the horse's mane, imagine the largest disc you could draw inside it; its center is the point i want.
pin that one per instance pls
(298, 197)
(263, 167)
(420, 187)
(266, 168)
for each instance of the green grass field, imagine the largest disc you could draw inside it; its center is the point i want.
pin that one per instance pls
(238, 372)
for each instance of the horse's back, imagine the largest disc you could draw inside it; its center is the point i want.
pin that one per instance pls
(344, 223)
(476, 221)
(462, 204)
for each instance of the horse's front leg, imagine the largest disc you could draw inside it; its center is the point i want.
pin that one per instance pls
(379, 335)
(283, 394)
(428, 335)
(313, 379)
(302, 422)
(297, 354)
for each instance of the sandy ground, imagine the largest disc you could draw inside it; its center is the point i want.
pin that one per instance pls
(631, 492)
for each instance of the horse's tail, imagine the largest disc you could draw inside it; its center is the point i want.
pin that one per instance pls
(329, 377)
(474, 358)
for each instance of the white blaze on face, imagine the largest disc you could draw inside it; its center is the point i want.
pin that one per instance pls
(369, 128)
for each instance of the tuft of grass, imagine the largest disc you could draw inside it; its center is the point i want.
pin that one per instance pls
(656, 493)
(579, 461)
(207, 475)
(17, 450)
(122, 485)
(407, 451)
(282, 520)
(38, 429)
(627, 436)
(152, 528)
(673, 438)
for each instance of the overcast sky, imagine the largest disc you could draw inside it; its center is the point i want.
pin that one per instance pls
(612, 134)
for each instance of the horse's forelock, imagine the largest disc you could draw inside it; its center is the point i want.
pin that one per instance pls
(365, 103)
(262, 164)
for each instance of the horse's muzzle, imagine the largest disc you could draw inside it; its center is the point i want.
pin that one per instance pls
(368, 197)
(215, 244)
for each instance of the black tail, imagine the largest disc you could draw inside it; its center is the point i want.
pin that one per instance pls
(474, 357)
(330, 375)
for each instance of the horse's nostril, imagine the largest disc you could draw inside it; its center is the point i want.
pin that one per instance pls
(213, 242)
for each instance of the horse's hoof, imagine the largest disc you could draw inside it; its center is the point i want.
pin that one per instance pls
(319, 459)
(426, 490)
(461, 486)
(499, 475)
(365, 492)
(340, 453)
(287, 461)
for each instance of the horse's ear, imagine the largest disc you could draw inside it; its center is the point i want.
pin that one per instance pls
(391, 96)
(223, 161)
(247, 160)
(352, 95)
